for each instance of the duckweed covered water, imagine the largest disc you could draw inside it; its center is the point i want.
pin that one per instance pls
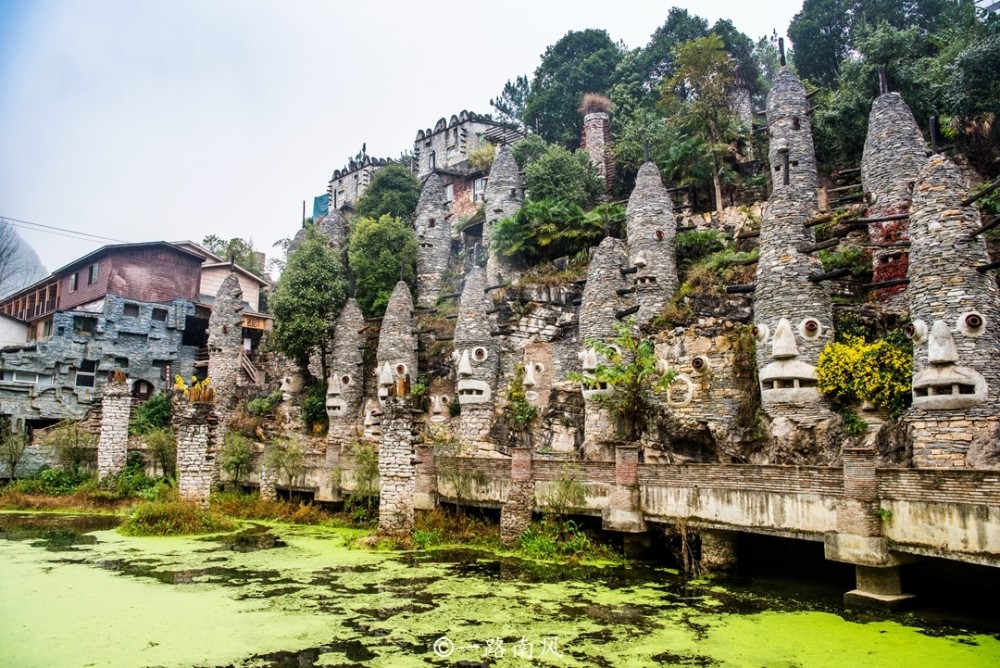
(299, 596)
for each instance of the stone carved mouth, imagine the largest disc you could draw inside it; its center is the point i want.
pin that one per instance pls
(644, 280)
(947, 387)
(788, 381)
(473, 391)
(336, 407)
(438, 418)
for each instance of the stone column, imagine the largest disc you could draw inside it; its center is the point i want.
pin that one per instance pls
(596, 141)
(623, 512)
(196, 426)
(434, 236)
(515, 516)
(425, 481)
(112, 448)
(476, 360)
(718, 551)
(395, 468)
(268, 489)
(225, 344)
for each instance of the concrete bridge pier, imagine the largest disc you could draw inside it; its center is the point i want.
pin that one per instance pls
(623, 512)
(718, 551)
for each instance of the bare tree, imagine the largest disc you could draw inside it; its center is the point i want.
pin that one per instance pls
(19, 266)
(12, 446)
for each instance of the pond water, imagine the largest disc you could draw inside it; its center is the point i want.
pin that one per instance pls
(75, 593)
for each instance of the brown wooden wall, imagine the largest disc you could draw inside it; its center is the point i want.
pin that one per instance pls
(147, 273)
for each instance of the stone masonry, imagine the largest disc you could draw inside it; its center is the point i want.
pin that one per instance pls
(476, 359)
(195, 425)
(504, 197)
(790, 127)
(600, 301)
(434, 235)
(955, 312)
(396, 357)
(225, 344)
(345, 385)
(596, 141)
(651, 232)
(894, 153)
(515, 515)
(396, 469)
(112, 447)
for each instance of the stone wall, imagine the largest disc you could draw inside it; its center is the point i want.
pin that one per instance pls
(395, 468)
(112, 446)
(515, 516)
(955, 311)
(790, 126)
(651, 231)
(195, 425)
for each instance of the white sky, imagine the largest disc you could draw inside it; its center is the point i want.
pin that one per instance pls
(171, 120)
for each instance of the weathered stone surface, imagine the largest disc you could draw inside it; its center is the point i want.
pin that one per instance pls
(395, 468)
(476, 359)
(345, 384)
(396, 357)
(651, 231)
(504, 197)
(596, 141)
(225, 344)
(434, 236)
(195, 425)
(112, 446)
(790, 126)
(954, 311)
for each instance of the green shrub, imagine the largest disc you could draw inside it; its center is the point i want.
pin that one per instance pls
(236, 456)
(314, 409)
(693, 245)
(152, 415)
(51, 482)
(171, 518)
(854, 370)
(75, 448)
(253, 507)
(162, 448)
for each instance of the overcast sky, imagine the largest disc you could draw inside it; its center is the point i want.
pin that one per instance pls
(142, 121)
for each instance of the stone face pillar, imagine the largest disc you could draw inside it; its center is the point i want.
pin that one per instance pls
(434, 235)
(396, 356)
(955, 324)
(515, 516)
(112, 447)
(196, 426)
(345, 385)
(623, 512)
(596, 141)
(395, 469)
(425, 479)
(476, 359)
(651, 249)
(718, 551)
(504, 196)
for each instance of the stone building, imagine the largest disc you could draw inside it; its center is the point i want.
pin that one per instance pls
(433, 231)
(651, 231)
(476, 360)
(954, 312)
(504, 197)
(894, 152)
(345, 384)
(348, 183)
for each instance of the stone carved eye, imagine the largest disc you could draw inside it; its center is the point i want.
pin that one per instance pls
(445, 399)
(759, 332)
(400, 369)
(810, 328)
(659, 235)
(480, 354)
(539, 367)
(972, 323)
(916, 331)
(345, 380)
(699, 364)
(431, 223)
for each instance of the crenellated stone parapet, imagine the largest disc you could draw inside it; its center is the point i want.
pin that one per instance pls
(955, 313)
(476, 360)
(112, 446)
(651, 249)
(504, 197)
(434, 236)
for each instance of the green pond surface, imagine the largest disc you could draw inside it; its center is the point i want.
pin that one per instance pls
(73, 592)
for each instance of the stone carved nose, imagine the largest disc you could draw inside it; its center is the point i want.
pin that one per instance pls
(640, 260)
(464, 366)
(385, 376)
(333, 387)
(940, 346)
(783, 345)
(529, 376)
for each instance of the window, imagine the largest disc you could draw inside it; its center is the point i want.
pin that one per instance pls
(26, 377)
(92, 273)
(74, 282)
(130, 310)
(449, 193)
(479, 190)
(85, 374)
(160, 314)
(83, 325)
(431, 161)
(121, 362)
(47, 328)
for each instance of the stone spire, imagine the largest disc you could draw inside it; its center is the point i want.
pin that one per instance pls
(476, 360)
(955, 312)
(651, 232)
(894, 153)
(504, 196)
(333, 226)
(434, 235)
(396, 356)
(225, 343)
(345, 384)
(791, 147)
(598, 306)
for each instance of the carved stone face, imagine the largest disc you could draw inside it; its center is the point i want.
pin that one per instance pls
(390, 372)
(589, 360)
(475, 368)
(290, 386)
(373, 419)
(945, 384)
(442, 391)
(537, 362)
(336, 404)
(787, 379)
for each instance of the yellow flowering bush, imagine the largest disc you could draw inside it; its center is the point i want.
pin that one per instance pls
(198, 392)
(855, 370)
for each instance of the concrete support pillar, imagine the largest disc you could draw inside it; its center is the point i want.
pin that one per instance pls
(425, 481)
(718, 551)
(395, 468)
(112, 447)
(877, 587)
(196, 425)
(623, 512)
(515, 516)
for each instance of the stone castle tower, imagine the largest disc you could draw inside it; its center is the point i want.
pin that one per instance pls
(954, 312)
(504, 197)
(651, 231)
(434, 236)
